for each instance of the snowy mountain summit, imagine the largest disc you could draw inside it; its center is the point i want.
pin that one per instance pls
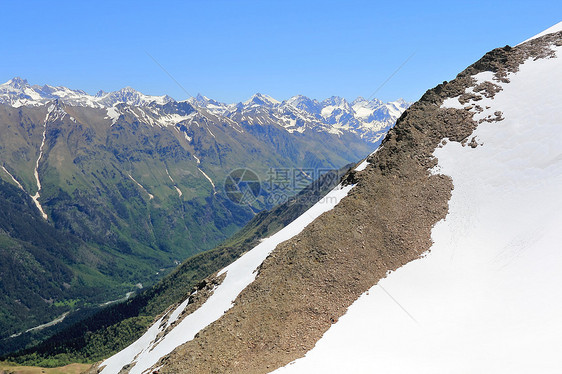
(261, 100)
(439, 253)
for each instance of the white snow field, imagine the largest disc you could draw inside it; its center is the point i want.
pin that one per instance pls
(487, 298)
(146, 351)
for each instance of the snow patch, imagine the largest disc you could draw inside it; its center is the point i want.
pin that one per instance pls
(13, 179)
(150, 196)
(113, 114)
(169, 176)
(208, 178)
(210, 132)
(174, 182)
(35, 197)
(363, 165)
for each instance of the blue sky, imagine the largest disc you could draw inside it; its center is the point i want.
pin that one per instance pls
(229, 49)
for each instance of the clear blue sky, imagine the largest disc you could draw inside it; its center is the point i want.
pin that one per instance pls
(229, 49)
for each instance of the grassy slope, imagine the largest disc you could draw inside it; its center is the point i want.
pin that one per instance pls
(8, 368)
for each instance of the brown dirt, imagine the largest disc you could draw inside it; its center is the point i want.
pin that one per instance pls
(308, 282)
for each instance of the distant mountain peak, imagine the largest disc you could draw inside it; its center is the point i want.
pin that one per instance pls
(261, 99)
(204, 100)
(359, 99)
(17, 82)
(336, 101)
(297, 99)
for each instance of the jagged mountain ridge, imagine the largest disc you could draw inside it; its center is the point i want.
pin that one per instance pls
(457, 212)
(368, 119)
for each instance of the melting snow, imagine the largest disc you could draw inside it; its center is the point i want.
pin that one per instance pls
(208, 129)
(35, 197)
(169, 176)
(363, 165)
(172, 119)
(150, 196)
(14, 179)
(174, 182)
(178, 191)
(208, 178)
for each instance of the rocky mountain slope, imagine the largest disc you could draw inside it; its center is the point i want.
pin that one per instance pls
(440, 252)
(136, 183)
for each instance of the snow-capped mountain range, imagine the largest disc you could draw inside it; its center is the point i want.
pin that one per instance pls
(18, 92)
(370, 119)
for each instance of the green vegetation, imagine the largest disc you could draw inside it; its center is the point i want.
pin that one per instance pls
(9, 368)
(40, 265)
(71, 303)
(117, 326)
